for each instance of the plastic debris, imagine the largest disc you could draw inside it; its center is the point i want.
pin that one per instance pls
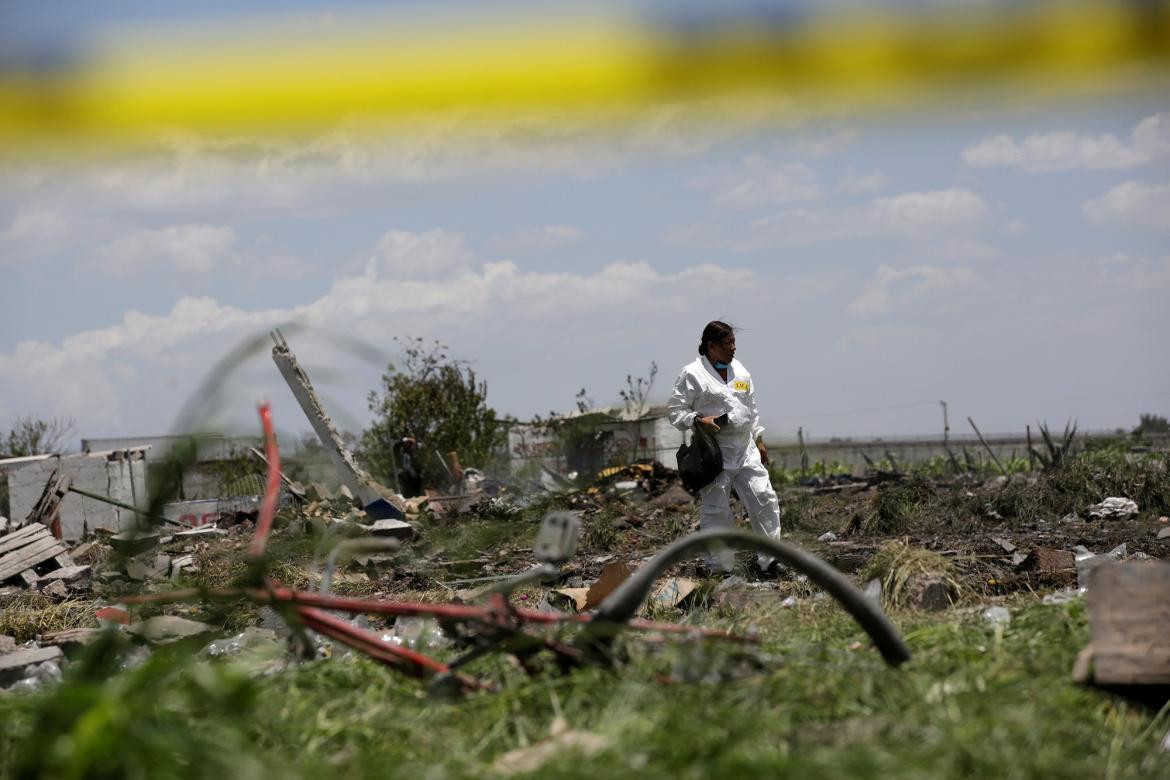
(827, 536)
(1114, 508)
(1086, 562)
(997, 616)
(37, 676)
(416, 634)
(1061, 596)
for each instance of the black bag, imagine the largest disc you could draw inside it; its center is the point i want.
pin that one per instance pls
(700, 461)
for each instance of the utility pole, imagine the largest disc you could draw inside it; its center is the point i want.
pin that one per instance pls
(946, 425)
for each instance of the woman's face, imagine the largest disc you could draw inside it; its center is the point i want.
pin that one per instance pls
(721, 351)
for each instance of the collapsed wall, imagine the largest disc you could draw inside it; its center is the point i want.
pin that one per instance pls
(119, 474)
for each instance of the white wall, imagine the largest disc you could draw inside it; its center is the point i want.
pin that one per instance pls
(121, 475)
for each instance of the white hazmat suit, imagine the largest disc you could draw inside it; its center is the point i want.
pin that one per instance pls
(700, 391)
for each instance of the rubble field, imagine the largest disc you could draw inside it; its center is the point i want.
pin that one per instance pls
(984, 578)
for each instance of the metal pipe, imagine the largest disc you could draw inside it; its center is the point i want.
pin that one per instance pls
(621, 605)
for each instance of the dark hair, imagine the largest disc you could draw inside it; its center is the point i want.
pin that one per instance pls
(715, 331)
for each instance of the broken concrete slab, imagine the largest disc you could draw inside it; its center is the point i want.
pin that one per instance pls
(1128, 606)
(395, 529)
(56, 589)
(68, 574)
(133, 542)
(168, 628)
(1163, 533)
(1004, 544)
(15, 665)
(379, 502)
(70, 638)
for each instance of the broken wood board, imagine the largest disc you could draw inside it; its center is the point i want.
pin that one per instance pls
(28, 551)
(1128, 604)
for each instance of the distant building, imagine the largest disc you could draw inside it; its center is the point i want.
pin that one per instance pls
(587, 442)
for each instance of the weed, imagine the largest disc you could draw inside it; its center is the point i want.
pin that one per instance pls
(897, 505)
(598, 531)
(899, 566)
(31, 614)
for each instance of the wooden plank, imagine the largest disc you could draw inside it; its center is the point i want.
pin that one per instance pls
(1129, 621)
(26, 543)
(28, 557)
(29, 577)
(21, 537)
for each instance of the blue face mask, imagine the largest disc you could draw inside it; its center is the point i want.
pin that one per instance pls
(720, 366)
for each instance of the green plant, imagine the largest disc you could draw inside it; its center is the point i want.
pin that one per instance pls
(439, 402)
(897, 504)
(899, 566)
(34, 436)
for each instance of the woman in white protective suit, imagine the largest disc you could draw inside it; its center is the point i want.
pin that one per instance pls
(717, 392)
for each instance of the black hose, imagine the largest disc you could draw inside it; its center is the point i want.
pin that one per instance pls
(620, 606)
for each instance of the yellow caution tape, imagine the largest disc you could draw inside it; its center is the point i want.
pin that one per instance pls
(234, 81)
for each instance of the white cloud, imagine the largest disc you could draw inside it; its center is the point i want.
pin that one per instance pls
(864, 184)
(891, 286)
(182, 248)
(535, 239)
(1132, 203)
(828, 143)
(405, 255)
(758, 182)
(138, 371)
(918, 211)
(917, 215)
(1066, 151)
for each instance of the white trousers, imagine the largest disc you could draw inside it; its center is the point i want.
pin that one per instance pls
(754, 488)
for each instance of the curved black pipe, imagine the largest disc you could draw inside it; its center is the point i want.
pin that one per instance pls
(621, 605)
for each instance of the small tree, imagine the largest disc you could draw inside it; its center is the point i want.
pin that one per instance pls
(30, 436)
(439, 402)
(1151, 423)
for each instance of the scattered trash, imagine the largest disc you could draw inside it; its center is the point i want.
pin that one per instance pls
(672, 592)
(18, 664)
(827, 536)
(612, 575)
(416, 633)
(1086, 562)
(997, 615)
(873, 590)
(1061, 596)
(1004, 544)
(1114, 509)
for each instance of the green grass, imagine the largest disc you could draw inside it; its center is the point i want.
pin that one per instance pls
(976, 701)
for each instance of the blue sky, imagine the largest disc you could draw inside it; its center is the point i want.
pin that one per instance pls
(1011, 259)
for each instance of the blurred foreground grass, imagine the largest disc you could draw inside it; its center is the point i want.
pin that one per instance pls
(976, 701)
